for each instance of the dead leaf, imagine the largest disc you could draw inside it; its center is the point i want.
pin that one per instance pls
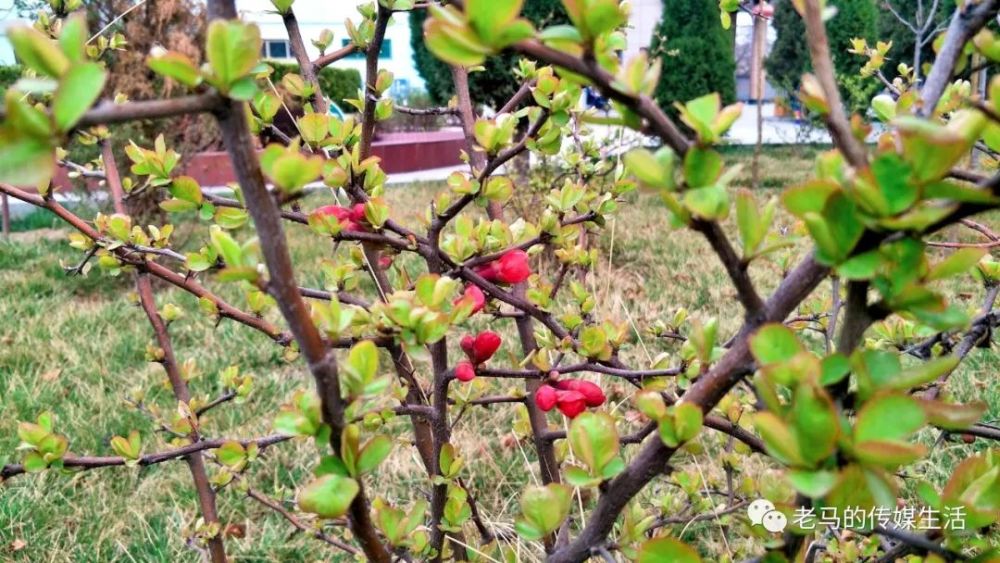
(51, 375)
(18, 544)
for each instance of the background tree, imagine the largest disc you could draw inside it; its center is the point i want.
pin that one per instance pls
(907, 23)
(696, 49)
(496, 83)
(789, 57)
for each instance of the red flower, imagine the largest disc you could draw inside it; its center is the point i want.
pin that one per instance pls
(473, 295)
(348, 218)
(590, 391)
(358, 213)
(482, 347)
(384, 261)
(570, 403)
(545, 397)
(465, 372)
(510, 268)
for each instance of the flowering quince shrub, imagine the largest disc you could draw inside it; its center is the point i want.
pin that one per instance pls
(837, 416)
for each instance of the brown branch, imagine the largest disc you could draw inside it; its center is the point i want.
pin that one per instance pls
(107, 113)
(735, 267)
(368, 121)
(330, 58)
(287, 515)
(965, 23)
(221, 399)
(836, 118)
(706, 391)
(658, 122)
(85, 463)
(195, 460)
(306, 67)
(183, 282)
(667, 521)
(283, 287)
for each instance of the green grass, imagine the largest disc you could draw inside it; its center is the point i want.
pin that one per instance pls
(75, 346)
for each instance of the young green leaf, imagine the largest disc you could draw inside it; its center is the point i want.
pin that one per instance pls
(78, 90)
(329, 496)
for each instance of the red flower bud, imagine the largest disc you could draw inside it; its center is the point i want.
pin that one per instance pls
(570, 403)
(344, 216)
(510, 268)
(357, 213)
(482, 347)
(590, 391)
(545, 397)
(473, 295)
(465, 372)
(384, 261)
(468, 344)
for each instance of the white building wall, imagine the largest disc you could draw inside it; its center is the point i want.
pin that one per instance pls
(642, 23)
(8, 17)
(316, 15)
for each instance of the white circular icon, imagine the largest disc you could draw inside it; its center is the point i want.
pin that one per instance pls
(758, 509)
(775, 521)
(762, 512)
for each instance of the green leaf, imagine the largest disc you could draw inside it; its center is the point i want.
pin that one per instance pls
(959, 193)
(953, 416)
(888, 454)
(924, 372)
(884, 107)
(711, 203)
(543, 509)
(282, 5)
(654, 170)
(34, 462)
(813, 484)
(702, 167)
(230, 217)
(176, 66)
(329, 496)
(700, 113)
(489, 18)
(226, 247)
(843, 225)
(73, 38)
(774, 343)
(778, 438)
(78, 90)
(834, 368)
(810, 197)
(373, 453)
(893, 178)
(664, 549)
(231, 454)
(186, 188)
(362, 360)
(814, 422)
(37, 51)
(450, 39)
(688, 420)
(232, 49)
(753, 225)
(931, 148)
(960, 262)
(24, 160)
(594, 440)
(861, 266)
(888, 418)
